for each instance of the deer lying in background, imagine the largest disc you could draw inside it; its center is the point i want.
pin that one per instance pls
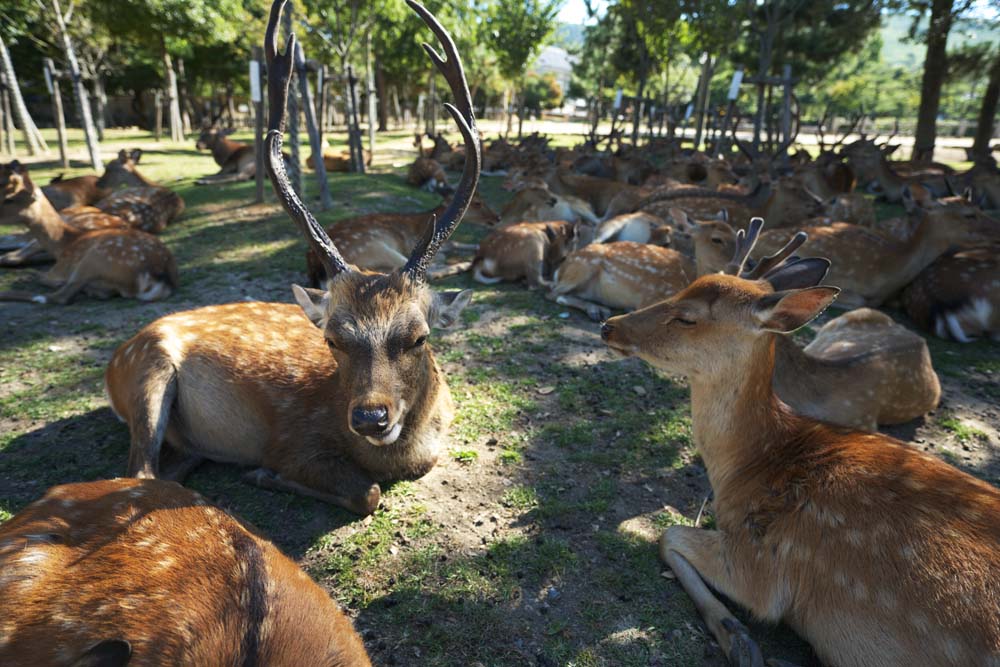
(236, 159)
(536, 203)
(871, 164)
(523, 251)
(861, 370)
(101, 263)
(876, 553)
(383, 241)
(139, 201)
(144, 573)
(597, 192)
(327, 399)
(958, 296)
(427, 174)
(77, 191)
(872, 267)
(623, 275)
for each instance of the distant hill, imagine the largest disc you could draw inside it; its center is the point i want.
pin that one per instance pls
(568, 36)
(898, 51)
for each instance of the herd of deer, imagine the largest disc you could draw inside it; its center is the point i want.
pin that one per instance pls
(874, 552)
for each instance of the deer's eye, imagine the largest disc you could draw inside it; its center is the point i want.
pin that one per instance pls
(418, 342)
(684, 322)
(717, 241)
(331, 345)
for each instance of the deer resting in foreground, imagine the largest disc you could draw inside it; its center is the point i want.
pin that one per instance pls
(384, 241)
(145, 573)
(524, 251)
(101, 263)
(874, 552)
(328, 398)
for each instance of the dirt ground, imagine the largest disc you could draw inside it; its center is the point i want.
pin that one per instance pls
(533, 541)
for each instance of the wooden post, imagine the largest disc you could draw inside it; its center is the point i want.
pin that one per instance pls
(257, 99)
(353, 126)
(321, 101)
(786, 111)
(315, 143)
(80, 91)
(702, 100)
(430, 126)
(158, 114)
(722, 148)
(52, 83)
(370, 85)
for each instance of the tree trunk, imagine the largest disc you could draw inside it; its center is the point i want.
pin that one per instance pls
(185, 99)
(430, 125)
(173, 100)
(370, 88)
(57, 112)
(7, 121)
(80, 96)
(101, 102)
(28, 130)
(988, 112)
(508, 105)
(158, 114)
(520, 109)
(935, 69)
(383, 97)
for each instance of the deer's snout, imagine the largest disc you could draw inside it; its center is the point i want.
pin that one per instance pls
(606, 330)
(370, 420)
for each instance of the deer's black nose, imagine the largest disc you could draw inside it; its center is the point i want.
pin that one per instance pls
(606, 330)
(370, 420)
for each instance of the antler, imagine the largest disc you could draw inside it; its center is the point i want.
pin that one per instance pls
(450, 66)
(745, 241)
(279, 69)
(771, 262)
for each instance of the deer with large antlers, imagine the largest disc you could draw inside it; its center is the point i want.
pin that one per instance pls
(146, 572)
(111, 260)
(327, 399)
(876, 553)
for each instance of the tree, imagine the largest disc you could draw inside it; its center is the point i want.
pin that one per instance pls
(541, 92)
(80, 96)
(167, 23)
(942, 16)
(517, 30)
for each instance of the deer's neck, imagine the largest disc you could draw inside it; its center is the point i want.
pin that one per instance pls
(46, 226)
(925, 244)
(891, 182)
(223, 149)
(736, 417)
(797, 376)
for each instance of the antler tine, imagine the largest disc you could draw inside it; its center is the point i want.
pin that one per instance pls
(451, 67)
(771, 262)
(745, 241)
(279, 70)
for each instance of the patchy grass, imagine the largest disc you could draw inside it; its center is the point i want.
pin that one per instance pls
(511, 551)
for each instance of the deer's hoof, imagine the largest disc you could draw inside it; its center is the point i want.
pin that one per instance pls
(743, 651)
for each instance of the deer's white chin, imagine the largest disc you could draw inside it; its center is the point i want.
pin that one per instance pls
(391, 436)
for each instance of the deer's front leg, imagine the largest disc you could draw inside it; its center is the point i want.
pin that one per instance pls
(336, 481)
(696, 555)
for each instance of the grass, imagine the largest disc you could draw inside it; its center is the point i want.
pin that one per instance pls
(510, 551)
(962, 431)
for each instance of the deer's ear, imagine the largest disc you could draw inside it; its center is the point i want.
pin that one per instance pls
(136, 155)
(314, 303)
(108, 653)
(798, 273)
(122, 155)
(448, 306)
(784, 312)
(680, 218)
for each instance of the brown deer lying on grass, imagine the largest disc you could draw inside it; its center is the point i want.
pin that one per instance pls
(144, 573)
(383, 241)
(326, 399)
(77, 191)
(427, 174)
(236, 159)
(536, 203)
(872, 267)
(139, 201)
(101, 263)
(876, 553)
(624, 275)
(958, 296)
(523, 251)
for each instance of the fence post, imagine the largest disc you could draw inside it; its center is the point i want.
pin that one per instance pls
(257, 98)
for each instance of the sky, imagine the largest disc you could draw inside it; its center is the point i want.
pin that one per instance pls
(575, 12)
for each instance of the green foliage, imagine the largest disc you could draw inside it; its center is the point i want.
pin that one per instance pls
(516, 30)
(542, 92)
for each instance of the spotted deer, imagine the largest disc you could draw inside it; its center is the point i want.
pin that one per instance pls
(536, 203)
(427, 174)
(101, 263)
(870, 267)
(958, 296)
(638, 227)
(384, 241)
(236, 159)
(876, 553)
(77, 191)
(624, 275)
(146, 572)
(873, 166)
(139, 201)
(523, 251)
(329, 398)
(597, 192)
